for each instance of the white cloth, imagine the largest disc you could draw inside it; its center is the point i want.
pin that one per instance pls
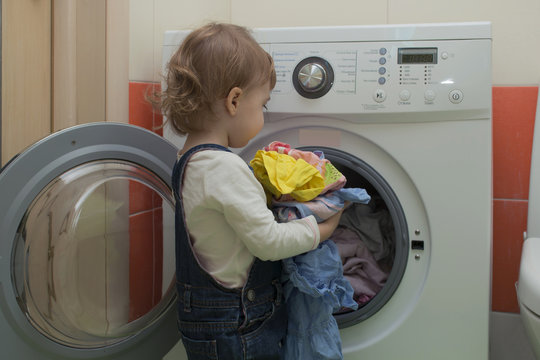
(229, 222)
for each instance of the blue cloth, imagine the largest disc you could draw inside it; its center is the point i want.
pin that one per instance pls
(314, 288)
(322, 207)
(313, 282)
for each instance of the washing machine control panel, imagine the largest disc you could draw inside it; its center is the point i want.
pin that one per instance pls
(381, 77)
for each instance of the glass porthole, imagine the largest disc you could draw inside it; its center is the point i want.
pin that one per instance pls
(93, 261)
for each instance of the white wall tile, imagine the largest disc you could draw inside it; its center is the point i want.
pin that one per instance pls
(280, 13)
(516, 28)
(150, 19)
(183, 14)
(141, 40)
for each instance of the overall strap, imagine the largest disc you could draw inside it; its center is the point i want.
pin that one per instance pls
(187, 266)
(180, 166)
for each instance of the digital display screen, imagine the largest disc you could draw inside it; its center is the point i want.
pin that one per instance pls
(417, 55)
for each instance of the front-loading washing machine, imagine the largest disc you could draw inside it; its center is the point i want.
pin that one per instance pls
(403, 111)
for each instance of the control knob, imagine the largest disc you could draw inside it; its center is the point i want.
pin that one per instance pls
(313, 77)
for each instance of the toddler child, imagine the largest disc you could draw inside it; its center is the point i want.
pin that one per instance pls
(228, 245)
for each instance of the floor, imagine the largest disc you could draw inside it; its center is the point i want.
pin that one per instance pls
(508, 340)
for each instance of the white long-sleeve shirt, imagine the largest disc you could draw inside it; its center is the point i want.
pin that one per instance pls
(229, 222)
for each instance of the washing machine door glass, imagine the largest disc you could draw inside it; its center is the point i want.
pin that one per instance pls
(78, 272)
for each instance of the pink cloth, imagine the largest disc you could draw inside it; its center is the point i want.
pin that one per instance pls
(359, 266)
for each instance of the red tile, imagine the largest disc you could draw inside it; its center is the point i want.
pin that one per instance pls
(141, 197)
(509, 223)
(158, 124)
(157, 200)
(158, 118)
(141, 264)
(513, 123)
(145, 262)
(158, 255)
(140, 110)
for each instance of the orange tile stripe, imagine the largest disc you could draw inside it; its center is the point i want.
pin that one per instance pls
(514, 110)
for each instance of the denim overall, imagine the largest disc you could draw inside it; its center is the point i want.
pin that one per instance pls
(217, 322)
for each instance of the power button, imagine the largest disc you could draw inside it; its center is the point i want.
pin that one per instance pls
(455, 96)
(379, 95)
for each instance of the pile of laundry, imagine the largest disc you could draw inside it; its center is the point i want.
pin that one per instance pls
(366, 242)
(342, 272)
(301, 183)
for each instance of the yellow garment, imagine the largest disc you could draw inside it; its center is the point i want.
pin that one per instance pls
(282, 174)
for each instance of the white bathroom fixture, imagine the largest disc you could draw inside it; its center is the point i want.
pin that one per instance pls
(528, 287)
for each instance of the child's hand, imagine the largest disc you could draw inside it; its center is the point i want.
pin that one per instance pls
(327, 227)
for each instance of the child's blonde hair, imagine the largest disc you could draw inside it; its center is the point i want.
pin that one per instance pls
(209, 63)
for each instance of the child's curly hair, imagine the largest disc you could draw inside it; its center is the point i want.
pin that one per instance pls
(209, 63)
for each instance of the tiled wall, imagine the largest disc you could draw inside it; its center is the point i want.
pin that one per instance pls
(145, 219)
(513, 123)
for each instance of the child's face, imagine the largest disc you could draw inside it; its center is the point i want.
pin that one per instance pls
(249, 119)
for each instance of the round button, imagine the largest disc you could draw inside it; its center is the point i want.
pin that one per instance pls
(382, 61)
(382, 70)
(251, 295)
(405, 95)
(312, 77)
(444, 55)
(379, 95)
(382, 51)
(382, 80)
(455, 96)
(430, 95)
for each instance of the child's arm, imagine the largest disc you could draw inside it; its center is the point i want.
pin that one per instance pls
(230, 189)
(327, 227)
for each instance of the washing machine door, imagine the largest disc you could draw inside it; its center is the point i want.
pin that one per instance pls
(87, 246)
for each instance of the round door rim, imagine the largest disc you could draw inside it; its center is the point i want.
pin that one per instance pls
(348, 319)
(27, 174)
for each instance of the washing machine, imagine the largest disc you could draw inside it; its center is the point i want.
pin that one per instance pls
(403, 111)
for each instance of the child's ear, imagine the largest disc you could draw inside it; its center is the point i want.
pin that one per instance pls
(232, 100)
